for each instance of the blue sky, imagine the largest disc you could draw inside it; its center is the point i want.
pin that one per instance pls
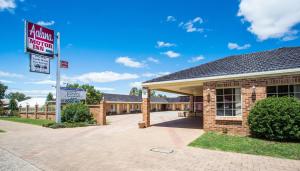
(114, 45)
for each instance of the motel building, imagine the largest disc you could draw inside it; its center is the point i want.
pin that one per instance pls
(115, 104)
(227, 89)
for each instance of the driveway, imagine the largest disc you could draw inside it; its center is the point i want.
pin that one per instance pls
(122, 146)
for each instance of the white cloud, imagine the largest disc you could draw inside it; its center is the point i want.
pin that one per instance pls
(6, 81)
(9, 74)
(9, 5)
(136, 84)
(171, 54)
(100, 77)
(47, 82)
(129, 62)
(151, 59)
(148, 74)
(170, 18)
(271, 18)
(196, 59)
(192, 25)
(161, 44)
(46, 23)
(104, 89)
(238, 47)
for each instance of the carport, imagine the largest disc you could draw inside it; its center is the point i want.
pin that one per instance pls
(192, 89)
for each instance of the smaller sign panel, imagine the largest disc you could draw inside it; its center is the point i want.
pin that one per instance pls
(144, 93)
(39, 64)
(39, 39)
(72, 95)
(64, 64)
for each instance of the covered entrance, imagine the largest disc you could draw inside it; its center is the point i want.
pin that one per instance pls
(190, 117)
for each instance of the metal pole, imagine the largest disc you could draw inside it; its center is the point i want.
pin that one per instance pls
(58, 101)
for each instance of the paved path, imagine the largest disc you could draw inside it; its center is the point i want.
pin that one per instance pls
(122, 146)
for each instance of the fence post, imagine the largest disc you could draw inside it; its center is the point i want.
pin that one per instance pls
(35, 111)
(27, 110)
(46, 111)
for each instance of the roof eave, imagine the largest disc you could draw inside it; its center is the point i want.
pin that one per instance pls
(226, 77)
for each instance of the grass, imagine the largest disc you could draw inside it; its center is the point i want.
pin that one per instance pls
(248, 145)
(39, 122)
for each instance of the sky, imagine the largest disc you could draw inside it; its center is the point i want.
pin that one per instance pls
(117, 44)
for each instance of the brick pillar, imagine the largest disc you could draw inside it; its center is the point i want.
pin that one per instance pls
(146, 108)
(128, 108)
(191, 104)
(101, 115)
(27, 110)
(36, 111)
(46, 111)
(118, 108)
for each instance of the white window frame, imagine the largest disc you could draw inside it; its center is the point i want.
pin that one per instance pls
(282, 93)
(216, 109)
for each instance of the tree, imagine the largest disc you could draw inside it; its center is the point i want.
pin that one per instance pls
(93, 96)
(3, 88)
(13, 106)
(134, 91)
(49, 97)
(17, 96)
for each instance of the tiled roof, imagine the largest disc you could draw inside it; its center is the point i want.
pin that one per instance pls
(277, 59)
(129, 98)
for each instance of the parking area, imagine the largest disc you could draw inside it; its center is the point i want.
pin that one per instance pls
(122, 146)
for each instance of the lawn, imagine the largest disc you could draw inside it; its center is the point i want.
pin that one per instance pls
(39, 122)
(247, 145)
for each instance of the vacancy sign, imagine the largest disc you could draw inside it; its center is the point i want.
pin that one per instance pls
(39, 64)
(39, 40)
(64, 64)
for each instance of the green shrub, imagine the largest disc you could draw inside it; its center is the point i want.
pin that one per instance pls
(76, 113)
(276, 119)
(66, 125)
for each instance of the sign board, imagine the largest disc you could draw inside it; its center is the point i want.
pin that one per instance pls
(40, 64)
(72, 95)
(64, 64)
(144, 93)
(39, 39)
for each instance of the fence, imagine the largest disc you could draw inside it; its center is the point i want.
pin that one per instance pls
(48, 111)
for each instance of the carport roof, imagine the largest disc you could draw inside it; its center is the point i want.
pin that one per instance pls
(271, 60)
(135, 99)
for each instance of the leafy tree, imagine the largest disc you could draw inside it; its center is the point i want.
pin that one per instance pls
(13, 105)
(50, 97)
(3, 88)
(93, 96)
(135, 91)
(17, 96)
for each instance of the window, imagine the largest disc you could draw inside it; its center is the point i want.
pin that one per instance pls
(284, 90)
(229, 102)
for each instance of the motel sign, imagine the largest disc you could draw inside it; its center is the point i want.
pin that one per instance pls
(39, 40)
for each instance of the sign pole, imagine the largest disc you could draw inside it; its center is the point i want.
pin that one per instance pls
(58, 101)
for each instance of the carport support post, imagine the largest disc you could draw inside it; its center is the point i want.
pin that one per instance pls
(146, 106)
(101, 115)
(191, 103)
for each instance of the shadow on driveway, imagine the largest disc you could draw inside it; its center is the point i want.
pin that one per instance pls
(190, 122)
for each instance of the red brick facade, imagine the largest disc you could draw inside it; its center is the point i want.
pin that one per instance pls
(238, 125)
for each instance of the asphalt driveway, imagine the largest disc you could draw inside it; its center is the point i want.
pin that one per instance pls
(122, 146)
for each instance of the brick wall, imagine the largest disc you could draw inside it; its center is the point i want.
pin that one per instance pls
(238, 125)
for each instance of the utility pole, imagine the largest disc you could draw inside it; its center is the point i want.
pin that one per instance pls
(58, 101)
